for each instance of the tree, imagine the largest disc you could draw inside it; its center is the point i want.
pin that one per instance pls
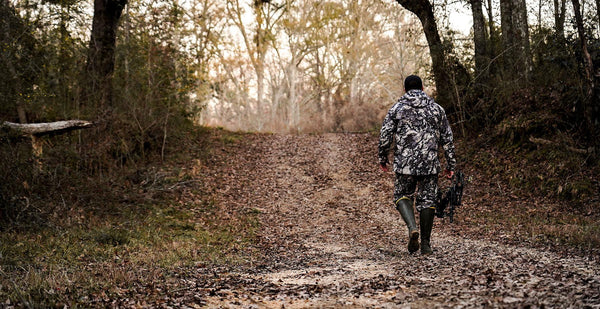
(101, 54)
(515, 38)
(207, 19)
(443, 81)
(559, 17)
(266, 15)
(18, 59)
(155, 74)
(352, 56)
(300, 42)
(591, 108)
(480, 39)
(522, 35)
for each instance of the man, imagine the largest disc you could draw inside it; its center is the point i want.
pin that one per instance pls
(419, 126)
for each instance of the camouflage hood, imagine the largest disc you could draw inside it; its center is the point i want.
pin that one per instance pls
(416, 98)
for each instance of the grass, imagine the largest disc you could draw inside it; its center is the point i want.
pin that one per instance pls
(45, 267)
(135, 236)
(72, 264)
(544, 226)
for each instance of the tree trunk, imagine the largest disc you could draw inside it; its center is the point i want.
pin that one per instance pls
(443, 82)
(494, 39)
(17, 89)
(591, 107)
(490, 14)
(260, 93)
(292, 73)
(101, 60)
(521, 27)
(597, 12)
(480, 41)
(559, 17)
(515, 38)
(259, 62)
(508, 35)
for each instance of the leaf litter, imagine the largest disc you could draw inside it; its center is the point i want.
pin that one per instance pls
(330, 238)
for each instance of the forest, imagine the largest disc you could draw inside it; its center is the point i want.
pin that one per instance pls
(147, 147)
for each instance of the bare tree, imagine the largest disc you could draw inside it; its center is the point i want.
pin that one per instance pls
(266, 14)
(299, 25)
(325, 60)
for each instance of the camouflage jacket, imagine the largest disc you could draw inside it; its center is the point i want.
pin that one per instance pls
(419, 126)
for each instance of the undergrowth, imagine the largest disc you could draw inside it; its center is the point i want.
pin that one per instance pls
(102, 236)
(538, 177)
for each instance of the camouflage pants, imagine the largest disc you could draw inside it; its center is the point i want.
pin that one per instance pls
(424, 186)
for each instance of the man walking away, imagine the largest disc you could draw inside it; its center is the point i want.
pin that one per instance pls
(419, 126)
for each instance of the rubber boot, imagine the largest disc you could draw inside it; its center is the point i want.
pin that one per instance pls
(426, 223)
(405, 208)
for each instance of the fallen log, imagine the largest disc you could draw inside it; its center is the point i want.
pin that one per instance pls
(39, 129)
(36, 130)
(542, 141)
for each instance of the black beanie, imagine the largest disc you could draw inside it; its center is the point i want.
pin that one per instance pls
(413, 82)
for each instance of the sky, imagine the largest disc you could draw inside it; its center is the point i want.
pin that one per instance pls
(460, 19)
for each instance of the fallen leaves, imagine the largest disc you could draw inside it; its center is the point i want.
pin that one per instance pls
(329, 236)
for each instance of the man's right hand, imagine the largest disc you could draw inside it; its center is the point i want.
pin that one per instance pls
(448, 174)
(384, 167)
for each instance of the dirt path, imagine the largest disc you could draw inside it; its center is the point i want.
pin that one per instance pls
(330, 238)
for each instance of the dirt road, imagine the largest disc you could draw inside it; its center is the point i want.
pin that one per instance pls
(330, 238)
